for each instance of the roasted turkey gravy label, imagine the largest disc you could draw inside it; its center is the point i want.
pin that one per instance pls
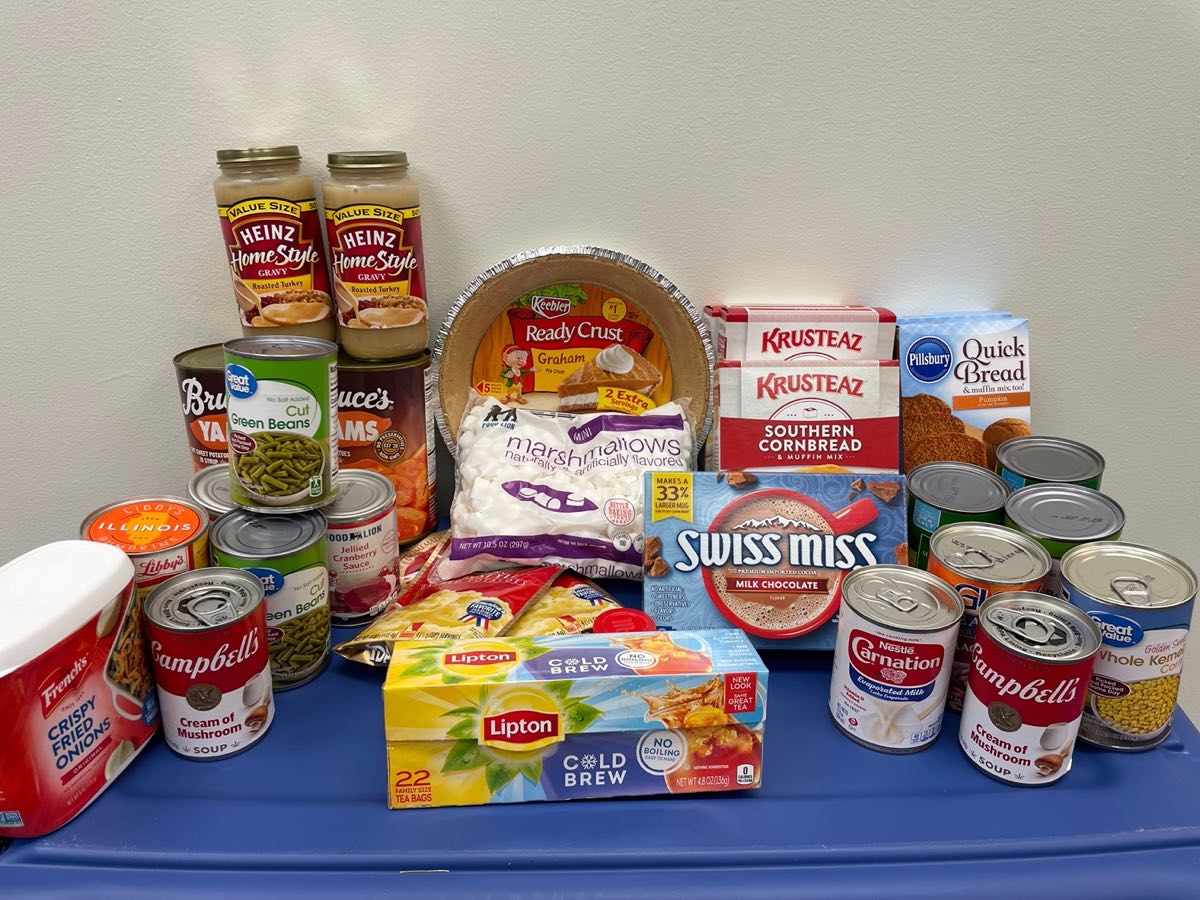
(376, 250)
(764, 552)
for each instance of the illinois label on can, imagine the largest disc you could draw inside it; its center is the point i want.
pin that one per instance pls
(207, 635)
(1030, 666)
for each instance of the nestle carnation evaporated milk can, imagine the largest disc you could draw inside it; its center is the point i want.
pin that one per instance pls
(892, 660)
(1032, 660)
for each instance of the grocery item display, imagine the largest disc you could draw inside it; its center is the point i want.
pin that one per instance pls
(1142, 600)
(76, 693)
(530, 332)
(569, 717)
(766, 553)
(964, 386)
(1030, 667)
(273, 239)
(373, 223)
(875, 492)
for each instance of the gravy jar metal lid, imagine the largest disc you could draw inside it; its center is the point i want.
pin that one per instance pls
(958, 487)
(258, 154)
(204, 599)
(1131, 575)
(368, 159)
(363, 494)
(251, 535)
(1064, 512)
(1050, 458)
(993, 553)
(902, 598)
(1039, 627)
(210, 488)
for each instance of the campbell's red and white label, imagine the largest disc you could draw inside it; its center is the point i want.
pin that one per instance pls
(214, 686)
(74, 717)
(1020, 716)
(889, 687)
(830, 416)
(804, 333)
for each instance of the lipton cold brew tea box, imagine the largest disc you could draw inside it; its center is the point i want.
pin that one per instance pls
(508, 720)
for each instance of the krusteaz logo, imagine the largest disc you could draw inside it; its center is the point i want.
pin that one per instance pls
(929, 359)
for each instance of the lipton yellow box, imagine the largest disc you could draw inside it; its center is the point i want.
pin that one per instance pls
(507, 720)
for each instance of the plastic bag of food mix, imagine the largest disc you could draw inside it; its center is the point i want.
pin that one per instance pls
(544, 487)
(571, 606)
(475, 606)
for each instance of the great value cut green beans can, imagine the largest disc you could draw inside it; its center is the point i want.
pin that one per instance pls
(287, 553)
(282, 417)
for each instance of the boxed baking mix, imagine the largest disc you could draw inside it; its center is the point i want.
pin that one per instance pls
(570, 717)
(765, 552)
(791, 333)
(964, 385)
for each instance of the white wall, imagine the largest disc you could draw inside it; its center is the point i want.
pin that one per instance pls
(1039, 158)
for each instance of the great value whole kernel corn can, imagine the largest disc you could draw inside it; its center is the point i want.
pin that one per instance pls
(1030, 665)
(282, 417)
(287, 553)
(1142, 600)
(207, 635)
(979, 560)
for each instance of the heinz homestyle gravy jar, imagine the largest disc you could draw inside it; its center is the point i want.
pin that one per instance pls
(273, 241)
(373, 225)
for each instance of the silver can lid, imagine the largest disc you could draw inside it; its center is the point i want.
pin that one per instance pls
(362, 494)
(251, 535)
(284, 346)
(1050, 458)
(210, 488)
(992, 553)
(204, 599)
(1125, 574)
(1038, 626)
(902, 598)
(1064, 512)
(958, 487)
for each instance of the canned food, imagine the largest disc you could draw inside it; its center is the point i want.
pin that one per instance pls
(207, 633)
(942, 493)
(1062, 516)
(979, 560)
(360, 547)
(163, 536)
(1142, 601)
(1032, 659)
(201, 376)
(892, 660)
(210, 489)
(385, 425)
(287, 553)
(1035, 459)
(283, 430)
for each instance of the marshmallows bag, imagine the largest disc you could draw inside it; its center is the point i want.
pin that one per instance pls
(543, 487)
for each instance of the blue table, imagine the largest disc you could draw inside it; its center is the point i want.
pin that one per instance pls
(304, 812)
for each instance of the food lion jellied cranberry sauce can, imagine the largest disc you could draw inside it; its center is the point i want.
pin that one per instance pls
(208, 637)
(979, 560)
(892, 658)
(1142, 600)
(361, 550)
(1030, 667)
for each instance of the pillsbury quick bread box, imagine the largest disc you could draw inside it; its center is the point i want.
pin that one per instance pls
(507, 720)
(766, 553)
(964, 386)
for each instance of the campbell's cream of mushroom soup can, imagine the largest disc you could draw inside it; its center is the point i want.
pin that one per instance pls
(892, 660)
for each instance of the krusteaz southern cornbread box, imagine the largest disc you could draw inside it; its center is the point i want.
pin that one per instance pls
(765, 552)
(507, 720)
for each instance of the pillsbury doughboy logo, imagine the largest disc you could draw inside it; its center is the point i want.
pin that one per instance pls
(240, 381)
(929, 359)
(1117, 631)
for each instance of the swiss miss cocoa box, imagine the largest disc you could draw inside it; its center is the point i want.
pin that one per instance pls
(964, 386)
(765, 552)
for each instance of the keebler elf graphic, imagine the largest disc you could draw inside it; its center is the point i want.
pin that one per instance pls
(516, 367)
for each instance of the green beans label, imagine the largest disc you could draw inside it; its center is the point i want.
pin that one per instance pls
(297, 621)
